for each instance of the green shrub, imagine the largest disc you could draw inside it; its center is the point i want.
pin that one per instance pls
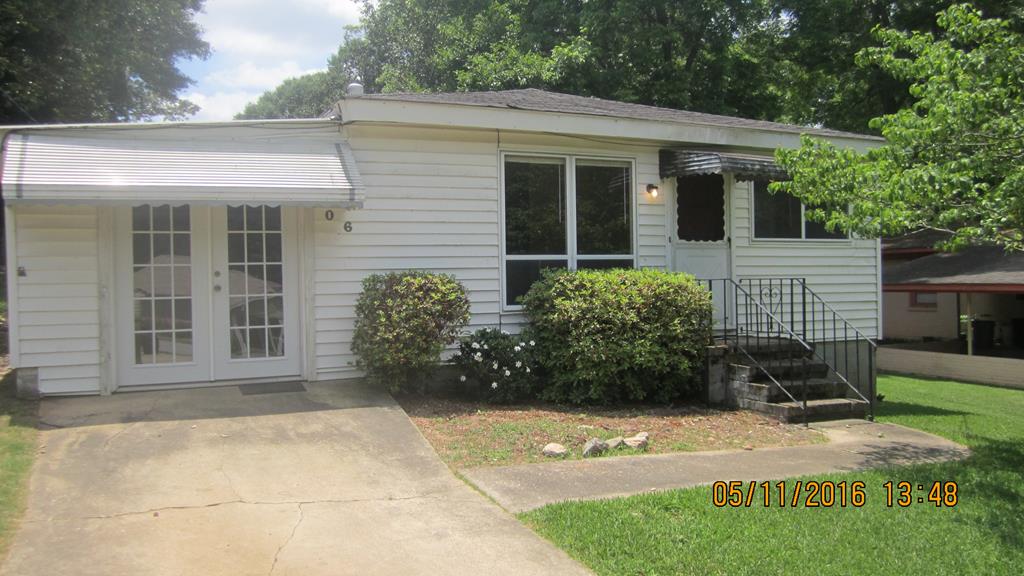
(404, 320)
(503, 366)
(610, 335)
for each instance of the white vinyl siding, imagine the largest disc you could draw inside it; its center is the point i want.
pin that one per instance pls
(843, 272)
(58, 298)
(432, 204)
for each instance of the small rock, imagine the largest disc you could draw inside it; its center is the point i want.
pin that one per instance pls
(748, 447)
(594, 447)
(555, 450)
(636, 442)
(643, 435)
(616, 442)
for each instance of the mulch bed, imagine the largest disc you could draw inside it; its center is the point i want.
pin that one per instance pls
(468, 434)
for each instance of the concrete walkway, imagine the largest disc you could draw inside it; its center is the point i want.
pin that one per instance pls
(853, 445)
(335, 480)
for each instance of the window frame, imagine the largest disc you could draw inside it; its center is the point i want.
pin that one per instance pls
(916, 304)
(803, 224)
(571, 257)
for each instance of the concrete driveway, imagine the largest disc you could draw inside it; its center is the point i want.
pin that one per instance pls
(333, 480)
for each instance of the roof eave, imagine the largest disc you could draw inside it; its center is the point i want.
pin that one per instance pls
(362, 110)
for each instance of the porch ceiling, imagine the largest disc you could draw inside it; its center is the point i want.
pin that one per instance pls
(126, 168)
(680, 163)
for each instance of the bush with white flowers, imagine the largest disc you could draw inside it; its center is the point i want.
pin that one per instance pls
(500, 364)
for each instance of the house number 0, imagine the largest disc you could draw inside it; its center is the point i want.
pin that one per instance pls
(329, 216)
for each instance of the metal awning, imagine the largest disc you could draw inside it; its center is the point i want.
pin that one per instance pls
(127, 168)
(678, 163)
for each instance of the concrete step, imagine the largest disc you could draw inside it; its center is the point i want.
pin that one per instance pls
(765, 346)
(767, 391)
(779, 369)
(817, 410)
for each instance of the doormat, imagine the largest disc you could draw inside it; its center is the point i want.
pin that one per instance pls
(271, 388)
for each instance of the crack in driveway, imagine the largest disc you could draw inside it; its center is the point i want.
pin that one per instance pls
(287, 540)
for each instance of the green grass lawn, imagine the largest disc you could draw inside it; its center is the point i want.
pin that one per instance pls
(17, 448)
(680, 532)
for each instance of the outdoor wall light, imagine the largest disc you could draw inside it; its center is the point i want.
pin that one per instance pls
(652, 189)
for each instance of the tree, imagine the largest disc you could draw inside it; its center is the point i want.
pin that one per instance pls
(952, 161)
(306, 96)
(101, 60)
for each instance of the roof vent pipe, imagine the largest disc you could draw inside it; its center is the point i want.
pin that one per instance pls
(354, 89)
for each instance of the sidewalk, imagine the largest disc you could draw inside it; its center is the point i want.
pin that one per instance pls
(853, 445)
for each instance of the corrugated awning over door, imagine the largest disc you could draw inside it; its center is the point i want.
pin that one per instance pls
(679, 163)
(51, 169)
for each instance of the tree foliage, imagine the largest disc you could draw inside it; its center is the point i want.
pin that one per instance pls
(98, 60)
(306, 96)
(953, 160)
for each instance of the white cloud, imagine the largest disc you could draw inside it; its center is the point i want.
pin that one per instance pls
(229, 39)
(221, 105)
(347, 9)
(251, 75)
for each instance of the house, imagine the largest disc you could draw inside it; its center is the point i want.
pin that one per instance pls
(183, 254)
(953, 314)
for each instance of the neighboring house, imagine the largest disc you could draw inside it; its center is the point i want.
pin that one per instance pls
(927, 293)
(156, 255)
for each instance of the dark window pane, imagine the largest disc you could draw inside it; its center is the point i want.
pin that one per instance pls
(237, 312)
(604, 199)
(236, 218)
(142, 279)
(143, 315)
(254, 247)
(257, 312)
(239, 343)
(535, 207)
(273, 247)
(274, 279)
(817, 230)
(181, 219)
(163, 315)
(236, 279)
(140, 217)
(144, 348)
(275, 311)
(140, 248)
(775, 215)
(182, 314)
(603, 264)
(162, 217)
(182, 346)
(700, 208)
(161, 248)
(254, 217)
(236, 247)
(257, 342)
(182, 248)
(273, 217)
(521, 274)
(275, 344)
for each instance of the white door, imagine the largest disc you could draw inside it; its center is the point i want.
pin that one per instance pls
(255, 292)
(206, 294)
(700, 235)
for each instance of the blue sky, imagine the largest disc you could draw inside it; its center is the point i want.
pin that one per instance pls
(256, 44)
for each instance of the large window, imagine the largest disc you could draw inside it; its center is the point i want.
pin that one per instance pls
(782, 216)
(554, 221)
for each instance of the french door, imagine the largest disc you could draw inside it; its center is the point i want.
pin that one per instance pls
(206, 294)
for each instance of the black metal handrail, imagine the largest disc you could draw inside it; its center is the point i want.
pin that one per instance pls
(786, 309)
(818, 323)
(750, 339)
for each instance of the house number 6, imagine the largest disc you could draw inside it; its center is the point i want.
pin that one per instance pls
(348, 226)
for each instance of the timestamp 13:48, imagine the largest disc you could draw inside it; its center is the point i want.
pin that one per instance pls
(829, 494)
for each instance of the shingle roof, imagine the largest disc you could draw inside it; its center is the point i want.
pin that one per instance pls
(916, 240)
(977, 265)
(544, 101)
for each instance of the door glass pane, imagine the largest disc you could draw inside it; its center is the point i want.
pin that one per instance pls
(162, 289)
(256, 315)
(535, 206)
(700, 208)
(604, 197)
